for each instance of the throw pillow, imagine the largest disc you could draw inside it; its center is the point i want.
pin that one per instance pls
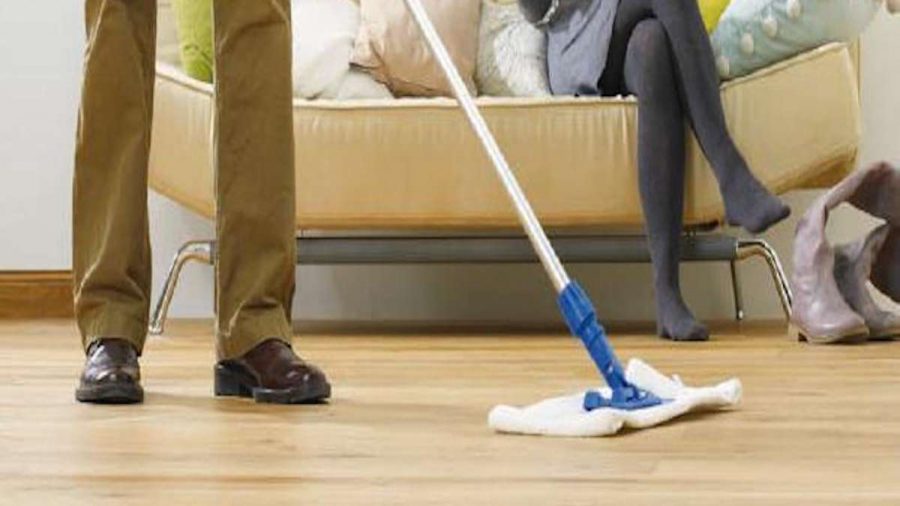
(512, 54)
(194, 23)
(712, 10)
(753, 34)
(391, 47)
(324, 32)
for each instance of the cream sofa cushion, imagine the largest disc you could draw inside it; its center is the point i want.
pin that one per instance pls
(414, 163)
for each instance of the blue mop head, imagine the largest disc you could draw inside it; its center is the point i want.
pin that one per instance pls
(581, 318)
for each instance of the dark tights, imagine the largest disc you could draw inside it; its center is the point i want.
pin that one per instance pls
(660, 52)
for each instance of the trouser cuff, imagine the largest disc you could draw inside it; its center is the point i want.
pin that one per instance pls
(112, 325)
(250, 329)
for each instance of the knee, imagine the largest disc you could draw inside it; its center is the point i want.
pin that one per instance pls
(649, 46)
(649, 36)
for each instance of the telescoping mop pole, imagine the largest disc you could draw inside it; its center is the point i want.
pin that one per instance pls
(574, 303)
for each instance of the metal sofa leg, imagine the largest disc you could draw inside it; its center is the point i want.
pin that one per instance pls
(201, 251)
(736, 291)
(747, 248)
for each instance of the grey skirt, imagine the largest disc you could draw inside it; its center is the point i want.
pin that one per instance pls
(577, 46)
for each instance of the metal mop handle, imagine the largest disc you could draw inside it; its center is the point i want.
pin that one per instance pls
(576, 307)
(529, 221)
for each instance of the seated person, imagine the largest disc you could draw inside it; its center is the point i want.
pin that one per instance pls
(659, 51)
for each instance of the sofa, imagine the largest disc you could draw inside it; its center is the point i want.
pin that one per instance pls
(388, 180)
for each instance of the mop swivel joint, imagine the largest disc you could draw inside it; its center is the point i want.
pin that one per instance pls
(581, 318)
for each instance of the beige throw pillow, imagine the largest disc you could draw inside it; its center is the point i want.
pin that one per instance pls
(391, 47)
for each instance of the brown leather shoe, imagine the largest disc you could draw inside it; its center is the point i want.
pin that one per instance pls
(111, 374)
(272, 373)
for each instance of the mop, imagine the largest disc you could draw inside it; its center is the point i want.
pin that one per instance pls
(636, 397)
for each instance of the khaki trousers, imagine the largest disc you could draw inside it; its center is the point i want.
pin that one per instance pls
(254, 159)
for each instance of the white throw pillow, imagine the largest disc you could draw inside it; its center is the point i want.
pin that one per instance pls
(512, 54)
(356, 84)
(753, 34)
(324, 32)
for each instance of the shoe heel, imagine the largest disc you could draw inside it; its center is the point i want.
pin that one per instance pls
(228, 384)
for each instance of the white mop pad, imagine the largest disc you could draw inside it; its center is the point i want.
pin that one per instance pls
(566, 416)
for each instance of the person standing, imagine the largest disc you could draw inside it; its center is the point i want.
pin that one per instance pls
(255, 209)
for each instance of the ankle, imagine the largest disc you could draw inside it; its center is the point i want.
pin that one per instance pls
(112, 341)
(667, 291)
(740, 182)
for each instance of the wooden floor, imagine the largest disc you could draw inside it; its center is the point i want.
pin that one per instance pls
(819, 425)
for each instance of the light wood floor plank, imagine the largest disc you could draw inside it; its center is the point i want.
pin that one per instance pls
(408, 426)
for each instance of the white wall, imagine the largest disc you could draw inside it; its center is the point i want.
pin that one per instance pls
(39, 81)
(40, 65)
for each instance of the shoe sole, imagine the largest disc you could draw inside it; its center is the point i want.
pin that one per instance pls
(110, 394)
(229, 383)
(695, 338)
(853, 336)
(701, 339)
(885, 335)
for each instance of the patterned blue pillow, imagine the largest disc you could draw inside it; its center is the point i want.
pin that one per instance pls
(753, 34)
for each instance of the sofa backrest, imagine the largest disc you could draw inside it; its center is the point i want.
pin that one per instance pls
(167, 36)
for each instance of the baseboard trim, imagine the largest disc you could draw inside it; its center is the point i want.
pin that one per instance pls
(464, 327)
(36, 294)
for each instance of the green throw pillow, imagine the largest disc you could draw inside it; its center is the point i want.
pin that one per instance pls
(194, 20)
